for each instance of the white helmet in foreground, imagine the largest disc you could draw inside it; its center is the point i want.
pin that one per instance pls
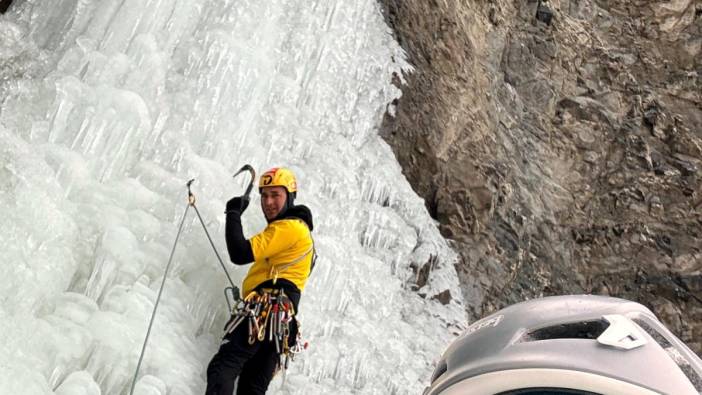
(579, 345)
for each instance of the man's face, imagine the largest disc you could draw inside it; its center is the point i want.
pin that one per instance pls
(273, 201)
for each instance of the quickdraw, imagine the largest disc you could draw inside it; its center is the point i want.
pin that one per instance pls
(268, 314)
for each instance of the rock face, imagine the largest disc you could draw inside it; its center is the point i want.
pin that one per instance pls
(559, 144)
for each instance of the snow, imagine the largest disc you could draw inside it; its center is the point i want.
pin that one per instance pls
(109, 107)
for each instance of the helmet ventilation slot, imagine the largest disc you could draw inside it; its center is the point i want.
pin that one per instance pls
(573, 330)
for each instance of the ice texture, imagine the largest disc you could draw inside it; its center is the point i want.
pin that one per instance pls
(107, 108)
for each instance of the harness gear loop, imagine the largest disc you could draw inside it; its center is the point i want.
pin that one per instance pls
(269, 313)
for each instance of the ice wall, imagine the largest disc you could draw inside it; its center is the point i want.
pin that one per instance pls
(110, 106)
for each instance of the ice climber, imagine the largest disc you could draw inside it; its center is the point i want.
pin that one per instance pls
(262, 332)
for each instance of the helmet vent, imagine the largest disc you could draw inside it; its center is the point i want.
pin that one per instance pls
(673, 353)
(573, 330)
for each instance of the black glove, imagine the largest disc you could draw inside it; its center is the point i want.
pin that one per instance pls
(237, 204)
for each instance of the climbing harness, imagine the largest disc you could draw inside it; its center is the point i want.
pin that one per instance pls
(234, 290)
(268, 313)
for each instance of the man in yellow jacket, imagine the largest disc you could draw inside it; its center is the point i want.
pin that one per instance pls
(282, 257)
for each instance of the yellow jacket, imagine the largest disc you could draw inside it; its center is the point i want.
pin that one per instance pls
(283, 250)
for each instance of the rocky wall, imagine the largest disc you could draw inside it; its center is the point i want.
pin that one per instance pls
(559, 145)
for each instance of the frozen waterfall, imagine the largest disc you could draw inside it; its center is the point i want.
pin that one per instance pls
(107, 108)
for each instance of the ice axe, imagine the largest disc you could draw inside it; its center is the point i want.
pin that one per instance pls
(250, 169)
(233, 290)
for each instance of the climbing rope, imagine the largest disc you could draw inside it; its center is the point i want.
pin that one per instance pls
(158, 298)
(232, 288)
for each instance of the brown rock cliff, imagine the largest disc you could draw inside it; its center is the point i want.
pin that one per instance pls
(559, 144)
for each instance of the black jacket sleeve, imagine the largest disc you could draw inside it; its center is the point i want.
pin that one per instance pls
(238, 247)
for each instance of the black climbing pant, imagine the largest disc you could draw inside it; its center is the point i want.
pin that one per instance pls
(254, 364)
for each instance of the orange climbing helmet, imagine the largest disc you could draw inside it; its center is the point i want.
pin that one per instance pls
(279, 177)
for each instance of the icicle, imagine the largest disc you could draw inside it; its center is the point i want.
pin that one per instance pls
(56, 376)
(100, 279)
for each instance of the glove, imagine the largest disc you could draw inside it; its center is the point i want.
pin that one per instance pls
(237, 204)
